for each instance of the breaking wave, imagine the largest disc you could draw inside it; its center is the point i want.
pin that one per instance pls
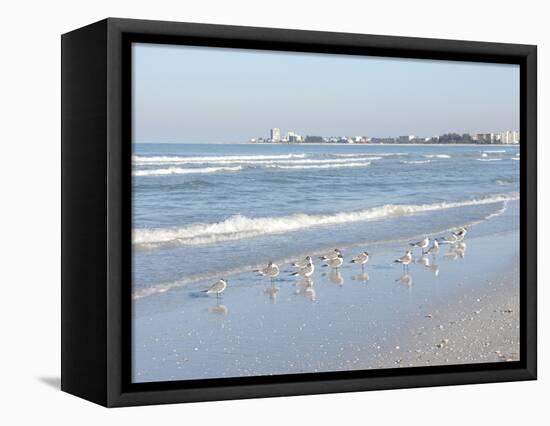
(240, 227)
(208, 159)
(181, 171)
(320, 166)
(437, 156)
(415, 161)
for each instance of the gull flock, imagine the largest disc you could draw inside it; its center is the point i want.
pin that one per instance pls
(335, 259)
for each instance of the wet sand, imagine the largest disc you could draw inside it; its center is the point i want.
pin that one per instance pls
(459, 307)
(481, 326)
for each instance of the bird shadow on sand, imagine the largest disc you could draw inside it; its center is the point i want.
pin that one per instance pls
(198, 294)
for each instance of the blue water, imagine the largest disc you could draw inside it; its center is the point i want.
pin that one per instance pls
(203, 211)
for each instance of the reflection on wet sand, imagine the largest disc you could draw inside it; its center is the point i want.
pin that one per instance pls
(336, 277)
(304, 287)
(272, 292)
(406, 279)
(364, 277)
(456, 251)
(435, 269)
(219, 309)
(424, 260)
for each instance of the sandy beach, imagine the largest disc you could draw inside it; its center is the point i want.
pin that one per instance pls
(458, 307)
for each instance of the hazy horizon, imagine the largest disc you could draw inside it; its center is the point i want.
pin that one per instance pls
(186, 94)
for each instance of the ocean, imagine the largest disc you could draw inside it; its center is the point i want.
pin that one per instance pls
(207, 211)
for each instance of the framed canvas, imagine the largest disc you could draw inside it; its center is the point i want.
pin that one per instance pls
(255, 212)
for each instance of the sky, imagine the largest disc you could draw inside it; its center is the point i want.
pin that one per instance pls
(187, 94)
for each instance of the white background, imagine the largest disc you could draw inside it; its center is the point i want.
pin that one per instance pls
(30, 210)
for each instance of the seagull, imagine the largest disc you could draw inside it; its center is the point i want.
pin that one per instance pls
(451, 239)
(405, 259)
(217, 288)
(306, 271)
(332, 255)
(434, 249)
(334, 263)
(271, 271)
(460, 233)
(303, 263)
(422, 244)
(361, 259)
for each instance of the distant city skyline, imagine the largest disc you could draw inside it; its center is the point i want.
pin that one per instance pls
(184, 94)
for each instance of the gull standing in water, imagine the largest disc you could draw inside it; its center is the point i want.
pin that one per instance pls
(434, 249)
(451, 239)
(332, 255)
(217, 288)
(306, 271)
(361, 259)
(334, 263)
(405, 260)
(271, 271)
(303, 263)
(460, 233)
(422, 244)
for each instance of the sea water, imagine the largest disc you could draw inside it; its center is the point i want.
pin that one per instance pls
(205, 212)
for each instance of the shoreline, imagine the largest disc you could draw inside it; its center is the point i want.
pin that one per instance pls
(382, 318)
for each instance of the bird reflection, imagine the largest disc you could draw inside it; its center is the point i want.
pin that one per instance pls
(406, 279)
(219, 309)
(364, 277)
(424, 260)
(336, 277)
(272, 292)
(304, 287)
(456, 251)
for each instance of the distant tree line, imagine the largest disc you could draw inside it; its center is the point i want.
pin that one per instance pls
(453, 138)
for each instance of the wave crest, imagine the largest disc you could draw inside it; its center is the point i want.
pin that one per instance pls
(436, 156)
(242, 227)
(181, 171)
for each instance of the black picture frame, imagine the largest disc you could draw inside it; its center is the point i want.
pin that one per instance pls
(96, 211)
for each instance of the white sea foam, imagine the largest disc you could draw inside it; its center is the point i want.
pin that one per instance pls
(515, 158)
(380, 154)
(498, 212)
(309, 161)
(321, 166)
(499, 151)
(208, 159)
(257, 161)
(415, 161)
(181, 171)
(242, 227)
(488, 159)
(437, 156)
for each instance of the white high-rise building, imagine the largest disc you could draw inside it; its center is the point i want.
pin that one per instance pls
(509, 137)
(275, 134)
